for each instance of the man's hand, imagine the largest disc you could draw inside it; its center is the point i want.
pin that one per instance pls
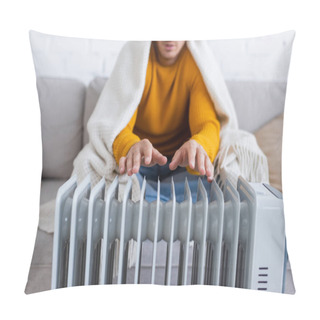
(141, 153)
(192, 154)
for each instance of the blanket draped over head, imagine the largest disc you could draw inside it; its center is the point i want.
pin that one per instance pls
(238, 154)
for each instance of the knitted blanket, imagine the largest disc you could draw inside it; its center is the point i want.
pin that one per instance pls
(239, 153)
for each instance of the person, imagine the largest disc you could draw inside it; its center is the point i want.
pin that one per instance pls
(166, 112)
(175, 125)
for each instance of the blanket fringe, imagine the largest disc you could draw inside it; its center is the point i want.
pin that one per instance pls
(238, 160)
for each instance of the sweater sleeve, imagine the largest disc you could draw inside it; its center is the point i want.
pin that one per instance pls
(203, 121)
(125, 139)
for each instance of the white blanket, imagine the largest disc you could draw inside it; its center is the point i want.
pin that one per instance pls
(239, 153)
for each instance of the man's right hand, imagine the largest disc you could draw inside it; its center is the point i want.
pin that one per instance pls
(141, 153)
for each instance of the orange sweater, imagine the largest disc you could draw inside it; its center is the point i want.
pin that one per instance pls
(175, 106)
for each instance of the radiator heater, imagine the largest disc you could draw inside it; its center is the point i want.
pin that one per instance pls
(234, 237)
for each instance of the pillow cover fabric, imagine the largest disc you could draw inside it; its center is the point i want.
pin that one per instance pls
(71, 73)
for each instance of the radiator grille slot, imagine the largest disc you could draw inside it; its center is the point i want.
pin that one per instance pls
(208, 242)
(263, 278)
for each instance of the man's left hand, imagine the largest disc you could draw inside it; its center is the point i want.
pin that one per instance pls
(192, 154)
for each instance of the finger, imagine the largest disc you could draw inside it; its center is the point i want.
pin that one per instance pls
(122, 165)
(200, 162)
(158, 157)
(191, 150)
(136, 161)
(209, 169)
(176, 160)
(147, 151)
(129, 164)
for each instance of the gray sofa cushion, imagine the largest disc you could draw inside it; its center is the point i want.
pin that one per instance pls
(49, 189)
(61, 103)
(257, 102)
